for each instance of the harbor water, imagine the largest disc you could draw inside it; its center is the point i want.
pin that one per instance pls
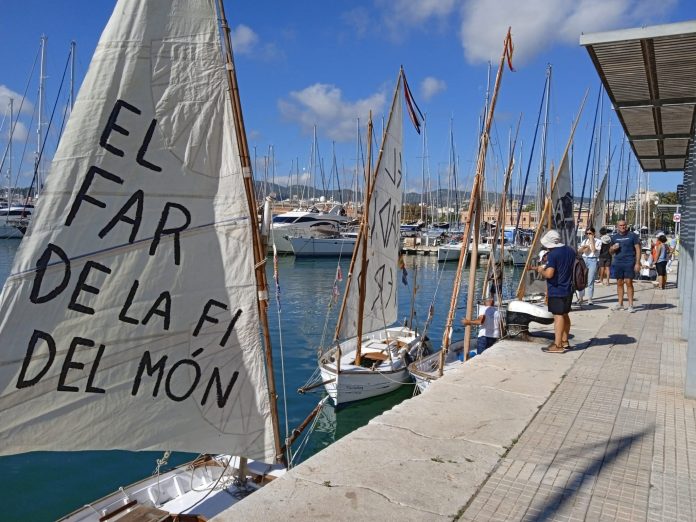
(46, 485)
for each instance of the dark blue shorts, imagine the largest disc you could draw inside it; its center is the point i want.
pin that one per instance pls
(484, 342)
(624, 271)
(559, 305)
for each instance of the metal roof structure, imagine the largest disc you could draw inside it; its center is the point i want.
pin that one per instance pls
(649, 74)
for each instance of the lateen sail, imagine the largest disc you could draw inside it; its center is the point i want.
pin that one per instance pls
(599, 209)
(382, 271)
(562, 204)
(130, 317)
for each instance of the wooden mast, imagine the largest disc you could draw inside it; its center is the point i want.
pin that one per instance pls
(500, 234)
(473, 205)
(259, 254)
(369, 184)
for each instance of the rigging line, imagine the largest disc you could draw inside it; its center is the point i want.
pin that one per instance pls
(24, 150)
(183, 233)
(589, 154)
(37, 163)
(21, 104)
(529, 163)
(280, 339)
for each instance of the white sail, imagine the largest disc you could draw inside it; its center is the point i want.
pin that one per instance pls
(130, 316)
(562, 216)
(383, 274)
(599, 209)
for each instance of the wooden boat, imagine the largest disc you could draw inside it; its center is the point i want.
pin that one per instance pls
(134, 316)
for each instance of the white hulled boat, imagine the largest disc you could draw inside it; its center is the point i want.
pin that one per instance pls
(134, 315)
(362, 365)
(317, 221)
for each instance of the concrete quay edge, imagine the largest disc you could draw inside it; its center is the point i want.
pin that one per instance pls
(427, 457)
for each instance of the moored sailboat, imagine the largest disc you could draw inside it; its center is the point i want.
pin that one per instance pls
(134, 316)
(431, 367)
(557, 214)
(370, 355)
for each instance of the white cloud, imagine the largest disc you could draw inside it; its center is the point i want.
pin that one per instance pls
(323, 105)
(400, 15)
(244, 39)
(20, 132)
(6, 94)
(538, 24)
(430, 86)
(358, 19)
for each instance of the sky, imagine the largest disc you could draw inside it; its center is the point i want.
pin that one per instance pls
(303, 64)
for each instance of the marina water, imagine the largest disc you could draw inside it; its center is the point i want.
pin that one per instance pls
(46, 485)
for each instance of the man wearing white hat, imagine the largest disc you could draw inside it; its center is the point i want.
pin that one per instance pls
(558, 273)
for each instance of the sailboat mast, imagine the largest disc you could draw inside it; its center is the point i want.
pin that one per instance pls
(41, 110)
(473, 205)
(259, 254)
(544, 137)
(9, 161)
(369, 183)
(546, 213)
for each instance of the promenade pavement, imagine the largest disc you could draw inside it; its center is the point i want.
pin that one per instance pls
(601, 432)
(617, 438)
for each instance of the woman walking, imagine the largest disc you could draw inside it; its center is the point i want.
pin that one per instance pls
(661, 256)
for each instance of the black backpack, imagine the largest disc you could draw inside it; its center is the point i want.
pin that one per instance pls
(580, 272)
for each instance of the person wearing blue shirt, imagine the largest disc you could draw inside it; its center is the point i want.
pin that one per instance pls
(558, 273)
(625, 247)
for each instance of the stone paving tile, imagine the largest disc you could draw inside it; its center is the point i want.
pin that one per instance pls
(616, 440)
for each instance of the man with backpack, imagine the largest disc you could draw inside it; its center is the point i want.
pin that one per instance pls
(558, 273)
(625, 247)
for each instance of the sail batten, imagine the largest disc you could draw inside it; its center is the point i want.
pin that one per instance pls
(131, 317)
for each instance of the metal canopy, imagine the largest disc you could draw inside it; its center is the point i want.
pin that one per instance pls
(649, 74)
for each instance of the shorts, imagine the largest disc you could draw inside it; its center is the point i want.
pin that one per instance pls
(604, 262)
(483, 343)
(624, 271)
(560, 305)
(661, 268)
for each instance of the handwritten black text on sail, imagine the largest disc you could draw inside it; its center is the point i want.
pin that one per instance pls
(174, 219)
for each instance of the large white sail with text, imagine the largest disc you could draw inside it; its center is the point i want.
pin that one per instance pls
(130, 317)
(384, 220)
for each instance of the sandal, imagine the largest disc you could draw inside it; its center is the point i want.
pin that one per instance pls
(552, 348)
(566, 345)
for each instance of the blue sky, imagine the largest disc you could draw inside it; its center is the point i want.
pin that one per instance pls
(303, 63)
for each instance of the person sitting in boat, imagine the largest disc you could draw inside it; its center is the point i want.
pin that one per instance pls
(490, 321)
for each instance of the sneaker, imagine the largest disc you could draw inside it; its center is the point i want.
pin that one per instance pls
(630, 309)
(617, 307)
(589, 302)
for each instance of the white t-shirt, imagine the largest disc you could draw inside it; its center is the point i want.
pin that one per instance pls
(597, 245)
(491, 321)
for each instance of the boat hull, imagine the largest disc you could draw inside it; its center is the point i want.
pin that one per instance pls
(387, 355)
(521, 313)
(193, 488)
(322, 247)
(426, 370)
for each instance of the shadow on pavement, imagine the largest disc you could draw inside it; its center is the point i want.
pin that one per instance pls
(613, 449)
(613, 339)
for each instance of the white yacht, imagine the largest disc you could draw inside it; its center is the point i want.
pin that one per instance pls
(311, 222)
(14, 220)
